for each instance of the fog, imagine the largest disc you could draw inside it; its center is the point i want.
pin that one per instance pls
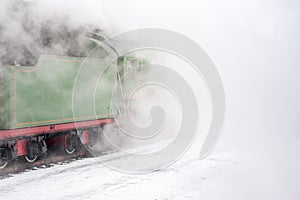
(29, 29)
(255, 46)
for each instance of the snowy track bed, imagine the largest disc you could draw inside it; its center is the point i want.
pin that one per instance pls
(90, 179)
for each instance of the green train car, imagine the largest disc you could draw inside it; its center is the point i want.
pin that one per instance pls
(60, 100)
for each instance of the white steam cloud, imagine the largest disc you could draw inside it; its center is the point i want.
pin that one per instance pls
(31, 28)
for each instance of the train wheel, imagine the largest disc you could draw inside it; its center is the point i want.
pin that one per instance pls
(32, 151)
(3, 157)
(30, 159)
(93, 140)
(70, 143)
(3, 164)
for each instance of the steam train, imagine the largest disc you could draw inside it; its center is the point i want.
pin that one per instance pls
(60, 101)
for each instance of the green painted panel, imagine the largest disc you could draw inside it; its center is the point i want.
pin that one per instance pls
(45, 94)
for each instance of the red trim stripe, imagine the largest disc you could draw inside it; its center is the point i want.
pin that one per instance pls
(32, 131)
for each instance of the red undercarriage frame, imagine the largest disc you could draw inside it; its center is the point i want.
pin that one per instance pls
(18, 134)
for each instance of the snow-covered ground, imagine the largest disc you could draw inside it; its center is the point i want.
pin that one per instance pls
(189, 178)
(225, 174)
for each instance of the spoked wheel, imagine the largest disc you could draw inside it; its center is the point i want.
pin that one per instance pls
(94, 139)
(3, 157)
(32, 152)
(70, 143)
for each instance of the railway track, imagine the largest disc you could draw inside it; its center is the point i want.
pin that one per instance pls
(21, 165)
